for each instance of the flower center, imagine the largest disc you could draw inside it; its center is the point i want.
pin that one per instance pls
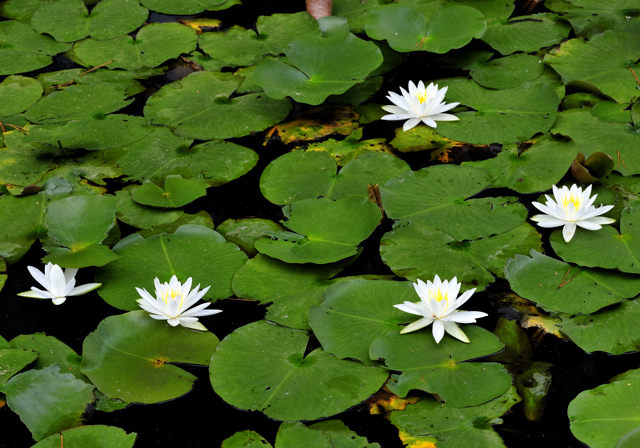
(422, 96)
(575, 200)
(171, 294)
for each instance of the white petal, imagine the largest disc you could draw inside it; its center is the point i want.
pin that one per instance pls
(194, 326)
(173, 322)
(57, 281)
(83, 289)
(395, 117)
(395, 110)
(38, 276)
(443, 117)
(551, 223)
(420, 323)
(43, 294)
(408, 307)
(59, 300)
(32, 295)
(600, 220)
(410, 124)
(69, 287)
(588, 225)
(429, 122)
(438, 330)
(69, 274)
(455, 331)
(465, 317)
(568, 231)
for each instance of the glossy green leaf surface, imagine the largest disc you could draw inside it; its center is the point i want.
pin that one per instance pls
(166, 255)
(507, 72)
(95, 436)
(62, 399)
(326, 231)
(17, 93)
(526, 33)
(142, 216)
(14, 360)
(128, 357)
(177, 192)
(245, 232)
(262, 367)
(188, 6)
(593, 16)
(246, 439)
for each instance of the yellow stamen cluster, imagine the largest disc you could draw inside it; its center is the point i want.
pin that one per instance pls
(569, 199)
(173, 293)
(439, 296)
(422, 96)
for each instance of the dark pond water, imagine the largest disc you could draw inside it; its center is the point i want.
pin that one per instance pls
(201, 418)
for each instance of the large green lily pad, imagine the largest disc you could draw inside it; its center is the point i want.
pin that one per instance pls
(23, 50)
(127, 357)
(241, 47)
(302, 175)
(593, 16)
(154, 44)
(62, 400)
(558, 286)
(353, 314)
(531, 167)
(319, 66)
(69, 20)
(619, 140)
(17, 93)
(327, 231)
(198, 106)
(474, 263)
(292, 288)
(263, 367)
(438, 368)
(455, 427)
(437, 196)
(406, 29)
(166, 255)
(95, 436)
(507, 72)
(526, 33)
(602, 65)
(603, 415)
(499, 116)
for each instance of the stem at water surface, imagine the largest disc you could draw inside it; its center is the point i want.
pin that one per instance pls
(319, 8)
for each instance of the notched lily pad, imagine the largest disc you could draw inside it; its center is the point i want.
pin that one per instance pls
(177, 192)
(245, 232)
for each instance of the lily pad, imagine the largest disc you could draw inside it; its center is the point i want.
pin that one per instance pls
(176, 193)
(245, 232)
(474, 263)
(526, 33)
(319, 67)
(21, 10)
(17, 93)
(455, 427)
(593, 169)
(128, 357)
(23, 50)
(437, 197)
(154, 44)
(439, 368)
(600, 416)
(69, 20)
(499, 116)
(507, 72)
(618, 140)
(613, 112)
(62, 400)
(162, 153)
(344, 151)
(166, 255)
(302, 175)
(284, 383)
(188, 6)
(14, 360)
(198, 106)
(613, 329)
(142, 216)
(328, 433)
(202, 218)
(602, 65)
(290, 288)
(558, 286)
(604, 248)
(315, 124)
(346, 328)
(531, 167)
(593, 16)
(406, 29)
(95, 436)
(246, 439)
(241, 47)
(327, 231)
(76, 227)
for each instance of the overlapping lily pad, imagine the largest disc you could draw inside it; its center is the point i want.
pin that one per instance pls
(499, 116)
(177, 192)
(263, 367)
(353, 314)
(558, 286)
(69, 20)
(14, 360)
(526, 33)
(23, 50)
(438, 368)
(531, 167)
(507, 72)
(406, 29)
(154, 44)
(240, 47)
(302, 175)
(328, 433)
(142, 216)
(474, 263)
(326, 231)
(319, 66)
(96, 436)
(166, 255)
(593, 16)
(602, 65)
(128, 357)
(62, 400)
(344, 151)
(454, 427)
(198, 106)
(188, 6)
(17, 93)
(437, 196)
(245, 232)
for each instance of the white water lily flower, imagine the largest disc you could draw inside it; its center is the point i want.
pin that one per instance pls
(438, 305)
(58, 285)
(419, 104)
(572, 207)
(173, 301)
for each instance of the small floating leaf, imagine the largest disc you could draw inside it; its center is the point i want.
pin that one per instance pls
(245, 232)
(17, 93)
(526, 33)
(177, 192)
